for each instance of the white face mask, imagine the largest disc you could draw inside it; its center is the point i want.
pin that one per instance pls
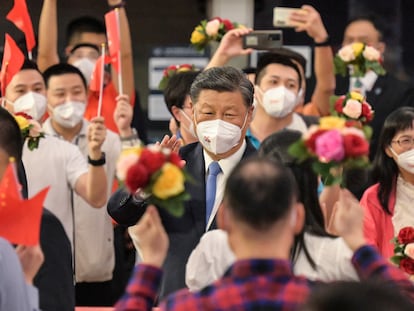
(405, 160)
(278, 102)
(190, 129)
(219, 136)
(31, 103)
(86, 66)
(69, 114)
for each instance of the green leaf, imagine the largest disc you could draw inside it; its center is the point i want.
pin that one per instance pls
(299, 151)
(340, 66)
(174, 205)
(396, 260)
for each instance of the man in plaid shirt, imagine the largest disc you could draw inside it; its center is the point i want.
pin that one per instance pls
(261, 215)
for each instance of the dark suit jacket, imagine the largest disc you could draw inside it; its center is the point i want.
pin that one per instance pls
(184, 232)
(387, 94)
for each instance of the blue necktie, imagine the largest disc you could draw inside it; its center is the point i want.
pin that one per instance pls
(213, 170)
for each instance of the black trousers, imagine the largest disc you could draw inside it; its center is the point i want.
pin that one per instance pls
(94, 294)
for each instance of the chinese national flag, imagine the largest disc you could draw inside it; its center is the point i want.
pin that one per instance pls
(97, 78)
(13, 59)
(19, 15)
(114, 38)
(19, 219)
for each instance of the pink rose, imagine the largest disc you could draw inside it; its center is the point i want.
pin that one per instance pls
(124, 163)
(35, 129)
(352, 109)
(329, 146)
(409, 250)
(371, 54)
(212, 27)
(346, 53)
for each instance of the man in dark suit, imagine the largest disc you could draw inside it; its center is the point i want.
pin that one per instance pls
(222, 100)
(384, 93)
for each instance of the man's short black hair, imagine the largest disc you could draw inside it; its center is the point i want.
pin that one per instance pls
(83, 24)
(260, 192)
(374, 19)
(61, 69)
(11, 140)
(275, 58)
(30, 65)
(178, 88)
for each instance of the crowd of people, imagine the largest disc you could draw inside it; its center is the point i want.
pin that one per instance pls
(261, 231)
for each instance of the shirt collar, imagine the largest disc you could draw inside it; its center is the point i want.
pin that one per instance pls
(251, 267)
(228, 163)
(368, 80)
(48, 128)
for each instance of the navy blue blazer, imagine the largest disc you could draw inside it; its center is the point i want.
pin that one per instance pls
(184, 232)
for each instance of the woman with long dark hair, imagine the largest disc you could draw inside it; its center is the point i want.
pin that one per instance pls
(388, 203)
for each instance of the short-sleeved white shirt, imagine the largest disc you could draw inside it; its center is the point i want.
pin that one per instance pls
(58, 164)
(94, 241)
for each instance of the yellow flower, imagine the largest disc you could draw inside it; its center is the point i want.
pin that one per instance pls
(22, 122)
(328, 123)
(357, 47)
(357, 96)
(170, 183)
(132, 150)
(198, 36)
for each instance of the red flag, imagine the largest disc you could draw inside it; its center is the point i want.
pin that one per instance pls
(19, 15)
(13, 59)
(19, 219)
(97, 74)
(114, 38)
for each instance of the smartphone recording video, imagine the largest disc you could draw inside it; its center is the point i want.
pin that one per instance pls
(263, 39)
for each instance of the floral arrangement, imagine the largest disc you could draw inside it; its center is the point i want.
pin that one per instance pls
(360, 57)
(30, 129)
(353, 106)
(157, 173)
(333, 145)
(404, 250)
(171, 71)
(211, 30)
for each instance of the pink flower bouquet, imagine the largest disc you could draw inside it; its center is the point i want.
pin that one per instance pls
(360, 58)
(353, 108)
(333, 145)
(211, 30)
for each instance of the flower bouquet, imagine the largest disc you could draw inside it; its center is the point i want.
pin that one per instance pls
(333, 146)
(360, 57)
(354, 109)
(171, 71)
(157, 173)
(30, 129)
(404, 250)
(211, 30)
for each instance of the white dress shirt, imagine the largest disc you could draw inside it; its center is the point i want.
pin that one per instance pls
(226, 166)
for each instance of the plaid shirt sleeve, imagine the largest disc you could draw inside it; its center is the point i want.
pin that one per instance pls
(370, 264)
(142, 289)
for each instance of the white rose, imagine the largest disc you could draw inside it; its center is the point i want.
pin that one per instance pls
(346, 53)
(371, 53)
(409, 250)
(212, 27)
(352, 109)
